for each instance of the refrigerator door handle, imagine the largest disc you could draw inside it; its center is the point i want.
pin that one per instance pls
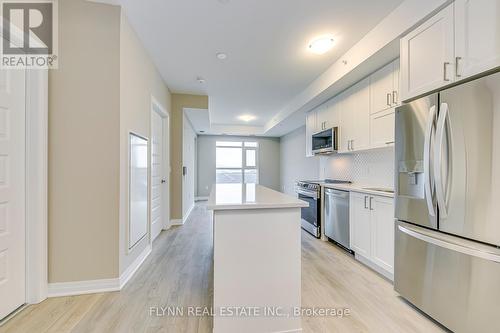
(429, 183)
(438, 155)
(457, 245)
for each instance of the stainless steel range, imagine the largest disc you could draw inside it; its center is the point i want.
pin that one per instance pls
(310, 191)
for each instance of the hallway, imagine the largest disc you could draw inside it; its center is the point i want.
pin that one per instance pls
(179, 273)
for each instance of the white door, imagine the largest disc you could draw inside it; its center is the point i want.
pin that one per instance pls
(382, 223)
(477, 36)
(427, 55)
(360, 224)
(381, 88)
(12, 191)
(159, 174)
(189, 168)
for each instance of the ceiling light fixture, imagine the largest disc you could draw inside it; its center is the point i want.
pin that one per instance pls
(246, 117)
(321, 45)
(221, 55)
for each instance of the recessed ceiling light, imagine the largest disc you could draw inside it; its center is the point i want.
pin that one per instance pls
(321, 45)
(200, 80)
(221, 55)
(246, 117)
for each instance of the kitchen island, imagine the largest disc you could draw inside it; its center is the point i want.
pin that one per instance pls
(257, 259)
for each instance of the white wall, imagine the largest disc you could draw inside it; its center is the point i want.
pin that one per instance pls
(371, 168)
(294, 163)
(269, 161)
(188, 160)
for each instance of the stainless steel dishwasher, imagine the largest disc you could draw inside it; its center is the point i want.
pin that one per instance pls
(337, 217)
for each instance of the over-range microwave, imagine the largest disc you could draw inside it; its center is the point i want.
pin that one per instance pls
(325, 142)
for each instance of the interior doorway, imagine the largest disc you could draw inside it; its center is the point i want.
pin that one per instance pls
(160, 169)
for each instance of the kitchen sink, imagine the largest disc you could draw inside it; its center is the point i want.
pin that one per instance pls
(379, 189)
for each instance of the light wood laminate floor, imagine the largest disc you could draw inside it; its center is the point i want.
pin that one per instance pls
(179, 273)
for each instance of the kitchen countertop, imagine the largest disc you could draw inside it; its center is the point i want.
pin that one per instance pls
(249, 196)
(358, 188)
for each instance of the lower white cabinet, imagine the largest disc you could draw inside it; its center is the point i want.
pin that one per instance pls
(372, 231)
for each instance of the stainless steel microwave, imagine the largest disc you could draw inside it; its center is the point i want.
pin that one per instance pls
(325, 142)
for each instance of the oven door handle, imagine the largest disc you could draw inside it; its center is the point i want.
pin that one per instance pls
(309, 194)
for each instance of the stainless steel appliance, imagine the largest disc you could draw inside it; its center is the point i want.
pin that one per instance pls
(337, 216)
(325, 142)
(310, 191)
(447, 256)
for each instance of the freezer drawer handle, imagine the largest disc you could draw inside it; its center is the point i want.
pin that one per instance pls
(451, 246)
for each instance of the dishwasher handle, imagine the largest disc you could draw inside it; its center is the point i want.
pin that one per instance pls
(336, 193)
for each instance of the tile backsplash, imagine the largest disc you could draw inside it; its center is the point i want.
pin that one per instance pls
(370, 168)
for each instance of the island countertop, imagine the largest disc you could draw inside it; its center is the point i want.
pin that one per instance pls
(249, 196)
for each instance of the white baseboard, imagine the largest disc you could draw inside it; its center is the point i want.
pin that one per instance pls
(201, 199)
(59, 289)
(185, 217)
(375, 267)
(176, 222)
(130, 271)
(98, 286)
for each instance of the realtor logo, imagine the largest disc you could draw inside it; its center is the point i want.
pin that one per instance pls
(29, 34)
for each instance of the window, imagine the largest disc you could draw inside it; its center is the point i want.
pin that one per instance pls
(236, 162)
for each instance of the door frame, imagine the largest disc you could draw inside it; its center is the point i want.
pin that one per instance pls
(159, 109)
(36, 175)
(36, 185)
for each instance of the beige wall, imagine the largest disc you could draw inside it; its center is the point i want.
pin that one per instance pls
(179, 102)
(139, 81)
(101, 91)
(84, 118)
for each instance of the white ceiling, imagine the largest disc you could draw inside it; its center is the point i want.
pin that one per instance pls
(266, 43)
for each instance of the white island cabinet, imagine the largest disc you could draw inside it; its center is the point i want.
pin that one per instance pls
(257, 265)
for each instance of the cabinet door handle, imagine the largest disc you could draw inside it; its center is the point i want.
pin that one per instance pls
(352, 144)
(445, 75)
(388, 99)
(371, 199)
(366, 204)
(457, 59)
(394, 97)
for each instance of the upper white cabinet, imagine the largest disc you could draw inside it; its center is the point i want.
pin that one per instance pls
(355, 117)
(427, 55)
(384, 87)
(477, 36)
(460, 41)
(310, 130)
(364, 113)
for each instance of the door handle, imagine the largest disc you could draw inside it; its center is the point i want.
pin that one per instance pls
(438, 155)
(445, 76)
(457, 59)
(184, 170)
(163, 181)
(428, 182)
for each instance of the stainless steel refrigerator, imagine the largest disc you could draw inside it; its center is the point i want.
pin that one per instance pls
(447, 251)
